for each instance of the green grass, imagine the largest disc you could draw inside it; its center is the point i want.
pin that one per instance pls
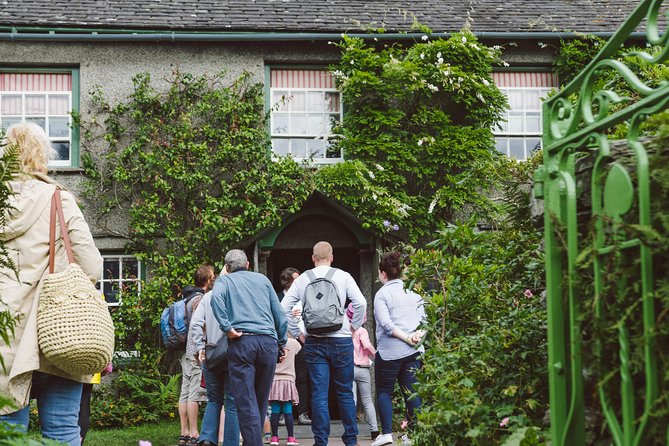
(164, 433)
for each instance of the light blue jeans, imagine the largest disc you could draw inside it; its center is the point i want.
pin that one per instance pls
(219, 396)
(58, 401)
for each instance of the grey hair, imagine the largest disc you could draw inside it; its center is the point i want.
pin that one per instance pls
(235, 259)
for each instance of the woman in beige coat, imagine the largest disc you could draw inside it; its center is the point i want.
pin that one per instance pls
(26, 236)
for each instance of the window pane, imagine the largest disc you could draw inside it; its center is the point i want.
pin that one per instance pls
(110, 269)
(515, 124)
(532, 145)
(111, 293)
(515, 99)
(59, 127)
(62, 149)
(280, 123)
(533, 122)
(298, 124)
(298, 101)
(280, 99)
(12, 104)
(332, 103)
(333, 120)
(316, 148)
(130, 268)
(8, 122)
(281, 146)
(315, 101)
(59, 104)
(532, 101)
(298, 148)
(35, 104)
(315, 124)
(501, 145)
(39, 121)
(517, 148)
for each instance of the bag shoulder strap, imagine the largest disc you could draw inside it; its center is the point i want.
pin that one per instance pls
(330, 273)
(310, 274)
(57, 213)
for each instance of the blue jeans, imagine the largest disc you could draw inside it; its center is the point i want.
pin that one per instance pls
(219, 395)
(331, 357)
(251, 364)
(58, 402)
(385, 374)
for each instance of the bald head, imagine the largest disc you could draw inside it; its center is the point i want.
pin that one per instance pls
(322, 254)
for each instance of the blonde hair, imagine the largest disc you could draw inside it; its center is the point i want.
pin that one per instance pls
(34, 147)
(322, 251)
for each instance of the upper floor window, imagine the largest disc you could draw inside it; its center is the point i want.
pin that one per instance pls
(44, 98)
(521, 133)
(120, 274)
(305, 106)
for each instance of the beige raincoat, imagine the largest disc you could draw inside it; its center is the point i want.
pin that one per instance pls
(26, 237)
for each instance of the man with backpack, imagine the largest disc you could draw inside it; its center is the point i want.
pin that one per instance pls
(192, 393)
(328, 347)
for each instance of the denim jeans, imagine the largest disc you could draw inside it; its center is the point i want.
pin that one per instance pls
(58, 402)
(251, 364)
(331, 357)
(219, 395)
(386, 373)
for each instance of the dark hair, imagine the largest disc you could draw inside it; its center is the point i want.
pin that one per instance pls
(391, 265)
(203, 275)
(286, 277)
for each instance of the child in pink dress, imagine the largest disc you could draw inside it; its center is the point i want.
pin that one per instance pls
(363, 352)
(283, 394)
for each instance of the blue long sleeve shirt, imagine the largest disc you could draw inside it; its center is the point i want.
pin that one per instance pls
(246, 301)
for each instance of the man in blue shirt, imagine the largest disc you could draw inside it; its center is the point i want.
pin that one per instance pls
(248, 310)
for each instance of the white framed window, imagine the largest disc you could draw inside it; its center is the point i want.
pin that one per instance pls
(521, 133)
(43, 98)
(120, 274)
(305, 106)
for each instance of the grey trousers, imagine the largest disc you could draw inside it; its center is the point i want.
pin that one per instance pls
(363, 381)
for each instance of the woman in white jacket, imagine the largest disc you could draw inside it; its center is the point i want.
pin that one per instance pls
(26, 236)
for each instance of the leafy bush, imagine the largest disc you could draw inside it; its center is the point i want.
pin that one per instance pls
(134, 398)
(484, 378)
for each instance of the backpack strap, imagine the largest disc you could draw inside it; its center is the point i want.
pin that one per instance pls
(330, 273)
(310, 274)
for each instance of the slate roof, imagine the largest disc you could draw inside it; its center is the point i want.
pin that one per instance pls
(319, 15)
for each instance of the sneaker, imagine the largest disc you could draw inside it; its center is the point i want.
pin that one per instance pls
(303, 419)
(382, 440)
(291, 441)
(274, 441)
(265, 439)
(374, 434)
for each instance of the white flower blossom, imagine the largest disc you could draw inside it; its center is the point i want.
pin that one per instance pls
(380, 167)
(352, 61)
(432, 87)
(464, 39)
(480, 96)
(420, 142)
(440, 60)
(506, 64)
(485, 82)
(424, 38)
(371, 174)
(374, 196)
(497, 47)
(432, 205)
(422, 55)
(439, 54)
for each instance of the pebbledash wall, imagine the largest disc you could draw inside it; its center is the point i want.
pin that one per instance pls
(112, 65)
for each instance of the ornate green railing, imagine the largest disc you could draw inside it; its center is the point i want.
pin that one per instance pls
(576, 122)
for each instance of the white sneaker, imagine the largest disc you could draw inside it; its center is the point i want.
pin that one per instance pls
(404, 440)
(382, 440)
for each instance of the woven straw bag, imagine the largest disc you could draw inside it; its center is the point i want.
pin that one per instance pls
(74, 328)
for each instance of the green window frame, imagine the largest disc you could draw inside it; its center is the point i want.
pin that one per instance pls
(33, 98)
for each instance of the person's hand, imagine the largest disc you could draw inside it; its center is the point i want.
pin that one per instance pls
(282, 354)
(296, 312)
(302, 338)
(234, 334)
(200, 356)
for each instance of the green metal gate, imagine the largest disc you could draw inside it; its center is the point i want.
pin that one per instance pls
(575, 125)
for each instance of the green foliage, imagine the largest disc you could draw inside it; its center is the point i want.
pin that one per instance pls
(134, 398)
(416, 133)
(484, 378)
(192, 167)
(574, 55)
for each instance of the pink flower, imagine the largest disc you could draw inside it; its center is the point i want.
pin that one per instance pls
(404, 424)
(504, 422)
(144, 443)
(528, 293)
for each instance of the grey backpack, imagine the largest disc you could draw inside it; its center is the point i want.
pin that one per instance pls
(323, 311)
